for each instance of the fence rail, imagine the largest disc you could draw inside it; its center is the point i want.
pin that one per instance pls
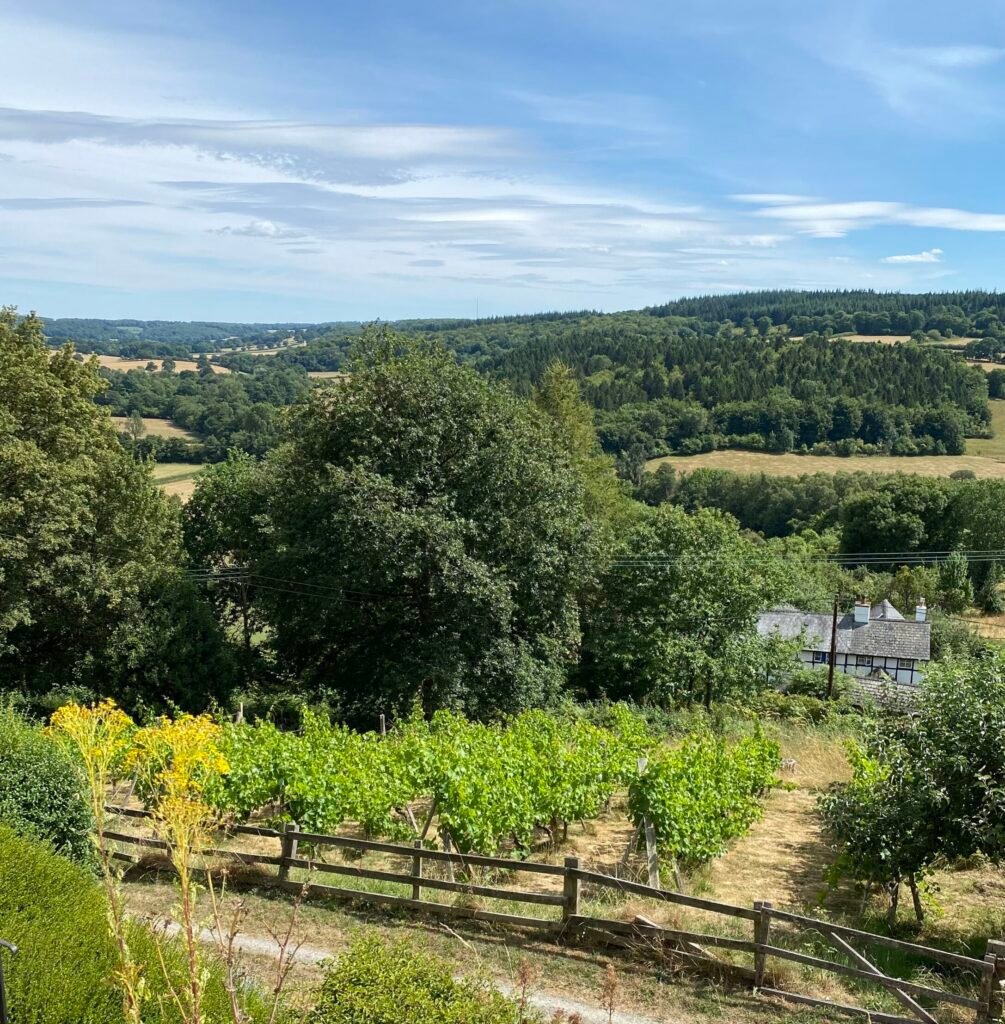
(988, 973)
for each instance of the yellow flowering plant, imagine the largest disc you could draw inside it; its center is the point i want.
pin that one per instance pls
(172, 762)
(101, 736)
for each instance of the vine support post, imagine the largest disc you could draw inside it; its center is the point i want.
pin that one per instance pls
(289, 850)
(417, 870)
(571, 889)
(762, 934)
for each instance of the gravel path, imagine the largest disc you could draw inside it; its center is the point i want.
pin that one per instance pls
(547, 1004)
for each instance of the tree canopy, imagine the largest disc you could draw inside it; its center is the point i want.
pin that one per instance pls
(422, 535)
(88, 541)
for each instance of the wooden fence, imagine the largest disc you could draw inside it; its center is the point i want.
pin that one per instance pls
(769, 926)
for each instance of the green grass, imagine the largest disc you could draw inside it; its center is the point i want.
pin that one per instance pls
(177, 478)
(991, 447)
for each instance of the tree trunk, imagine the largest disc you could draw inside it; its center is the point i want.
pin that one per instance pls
(919, 910)
(891, 916)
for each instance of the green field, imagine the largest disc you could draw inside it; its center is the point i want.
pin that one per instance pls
(985, 456)
(177, 478)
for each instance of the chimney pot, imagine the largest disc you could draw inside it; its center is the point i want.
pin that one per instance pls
(921, 612)
(862, 610)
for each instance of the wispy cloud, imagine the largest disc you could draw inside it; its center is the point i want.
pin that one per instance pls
(951, 57)
(834, 220)
(928, 256)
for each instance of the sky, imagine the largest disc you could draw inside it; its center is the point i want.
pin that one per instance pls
(258, 161)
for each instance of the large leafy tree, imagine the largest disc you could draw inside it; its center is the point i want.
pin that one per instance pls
(87, 541)
(422, 535)
(676, 610)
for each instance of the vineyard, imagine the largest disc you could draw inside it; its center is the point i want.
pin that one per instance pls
(498, 788)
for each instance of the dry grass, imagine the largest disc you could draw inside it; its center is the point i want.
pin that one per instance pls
(327, 374)
(118, 363)
(794, 465)
(156, 427)
(986, 366)
(177, 478)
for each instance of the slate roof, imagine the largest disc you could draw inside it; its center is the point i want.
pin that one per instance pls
(882, 636)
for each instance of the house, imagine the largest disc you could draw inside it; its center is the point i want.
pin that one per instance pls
(872, 641)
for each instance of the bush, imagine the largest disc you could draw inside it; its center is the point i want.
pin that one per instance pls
(42, 793)
(54, 911)
(394, 983)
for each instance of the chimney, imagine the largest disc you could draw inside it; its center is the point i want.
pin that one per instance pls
(920, 612)
(862, 609)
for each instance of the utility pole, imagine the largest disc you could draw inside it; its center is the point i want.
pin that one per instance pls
(833, 654)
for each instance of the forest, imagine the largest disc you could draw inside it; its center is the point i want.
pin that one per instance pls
(951, 314)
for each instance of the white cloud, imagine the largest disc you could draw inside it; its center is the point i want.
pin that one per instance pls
(928, 256)
(771, 198)
(834, 220)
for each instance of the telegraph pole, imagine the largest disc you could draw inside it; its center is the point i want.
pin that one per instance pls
(833, 655)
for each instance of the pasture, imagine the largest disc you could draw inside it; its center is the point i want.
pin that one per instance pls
(983, 466)
(176, 479)
(985, 456)
(156, 427)
(119, 363)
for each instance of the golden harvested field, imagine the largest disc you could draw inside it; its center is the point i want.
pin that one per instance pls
(795, 465)
(986, 367)
(117, 363)
(156, 427)
(985, 456)
(326, 374)
(177, 478)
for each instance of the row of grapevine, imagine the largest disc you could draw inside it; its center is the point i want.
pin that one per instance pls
(490, 784)
(704, 792)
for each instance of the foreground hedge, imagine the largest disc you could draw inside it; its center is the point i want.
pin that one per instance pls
(54, 911)
(41, 789)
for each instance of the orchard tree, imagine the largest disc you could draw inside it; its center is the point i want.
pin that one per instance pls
(423, 535)
(675, 613)
(927, 786)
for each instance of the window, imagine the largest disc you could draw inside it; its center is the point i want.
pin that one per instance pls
(905, 663)
(863, 660)
(820, 658)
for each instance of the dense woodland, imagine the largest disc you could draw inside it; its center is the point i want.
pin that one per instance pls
(952, 314)
(663, 384)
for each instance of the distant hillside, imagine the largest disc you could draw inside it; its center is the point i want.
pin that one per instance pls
(761, 371)
(143, 339)
(960, 314)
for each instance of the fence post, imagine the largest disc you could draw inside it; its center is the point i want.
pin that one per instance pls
(993, 988)
(762, 932)
(289, 850)
(417, 870)
(571, 889)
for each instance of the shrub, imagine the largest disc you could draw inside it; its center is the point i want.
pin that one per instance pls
(54, 911)
(394, 983)
(41, 790)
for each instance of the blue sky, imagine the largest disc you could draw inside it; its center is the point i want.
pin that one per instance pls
(324, 161)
